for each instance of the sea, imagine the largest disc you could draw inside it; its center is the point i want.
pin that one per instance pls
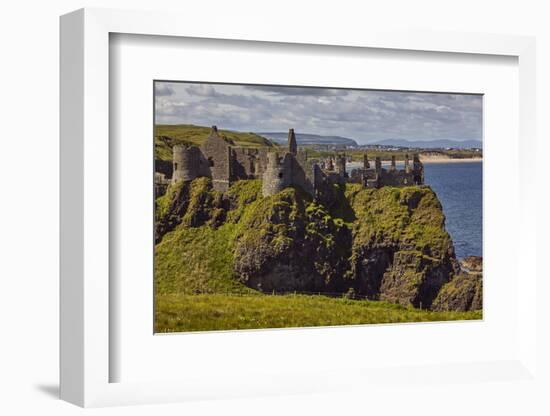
(459, 186)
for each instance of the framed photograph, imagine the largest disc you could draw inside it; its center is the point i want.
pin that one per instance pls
(260, 228)
(281, 213)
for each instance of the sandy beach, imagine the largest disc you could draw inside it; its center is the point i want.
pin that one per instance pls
(438, 159)
(426, 160)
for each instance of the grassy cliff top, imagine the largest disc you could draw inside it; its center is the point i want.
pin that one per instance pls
(411, 216)
(169, 135)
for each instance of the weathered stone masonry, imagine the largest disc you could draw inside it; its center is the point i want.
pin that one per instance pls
(378, 177)
(219, 159)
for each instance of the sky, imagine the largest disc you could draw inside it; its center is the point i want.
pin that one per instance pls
(364, 115)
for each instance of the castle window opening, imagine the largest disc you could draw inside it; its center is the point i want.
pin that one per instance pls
(210, 161)
(280, 175)
(175, 166)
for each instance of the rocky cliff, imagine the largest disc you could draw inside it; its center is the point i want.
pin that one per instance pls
(383, 244)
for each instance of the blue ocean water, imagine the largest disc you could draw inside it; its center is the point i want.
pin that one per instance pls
(459, 188)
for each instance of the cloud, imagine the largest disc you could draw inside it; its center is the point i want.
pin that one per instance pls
(163, 89)
(360, 114)
(300, 91)
(201, 90)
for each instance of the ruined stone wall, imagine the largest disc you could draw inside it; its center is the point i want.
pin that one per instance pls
(248, 163)
(218, 158)
(243, 164)
(161, 184)
(377, 176)
(356, 176)
(303, 175)
(396, 178)
(261, 161)
(334, 178)
(341, 165)
(371, 178)
(165, 167)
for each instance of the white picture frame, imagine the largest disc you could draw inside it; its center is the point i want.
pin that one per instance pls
(85, 213)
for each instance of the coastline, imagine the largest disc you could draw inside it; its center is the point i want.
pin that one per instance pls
(450, 160)
(428, 160)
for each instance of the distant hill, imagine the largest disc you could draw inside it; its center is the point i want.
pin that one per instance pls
(303, 139)
(430, 144)
(168, 135)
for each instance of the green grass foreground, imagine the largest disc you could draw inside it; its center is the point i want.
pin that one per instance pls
(213, 312)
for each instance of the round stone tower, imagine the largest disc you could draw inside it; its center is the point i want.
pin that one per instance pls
(276, 175)
(186, 162)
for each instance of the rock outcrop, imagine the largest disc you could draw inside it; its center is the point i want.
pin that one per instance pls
(191, 204)
(401, 250)
(383, 244)
(472, 264)
(289, 243)
(463, 293)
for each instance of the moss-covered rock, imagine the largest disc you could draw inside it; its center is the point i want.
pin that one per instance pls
(401, 251)
(463, 293)
(472, 264)
(384, 244)
(288, 242)
(170, 208)
(189, 203)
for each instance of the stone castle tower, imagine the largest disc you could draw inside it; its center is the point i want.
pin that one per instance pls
(278, 173)
(186, 163)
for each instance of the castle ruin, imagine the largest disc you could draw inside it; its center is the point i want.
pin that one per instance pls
(219, 159)
(378, 176)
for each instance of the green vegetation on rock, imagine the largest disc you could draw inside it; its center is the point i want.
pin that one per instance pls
(401, 251)
(288, 242)
(196, 260)
(387, 244)
(463, 293)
